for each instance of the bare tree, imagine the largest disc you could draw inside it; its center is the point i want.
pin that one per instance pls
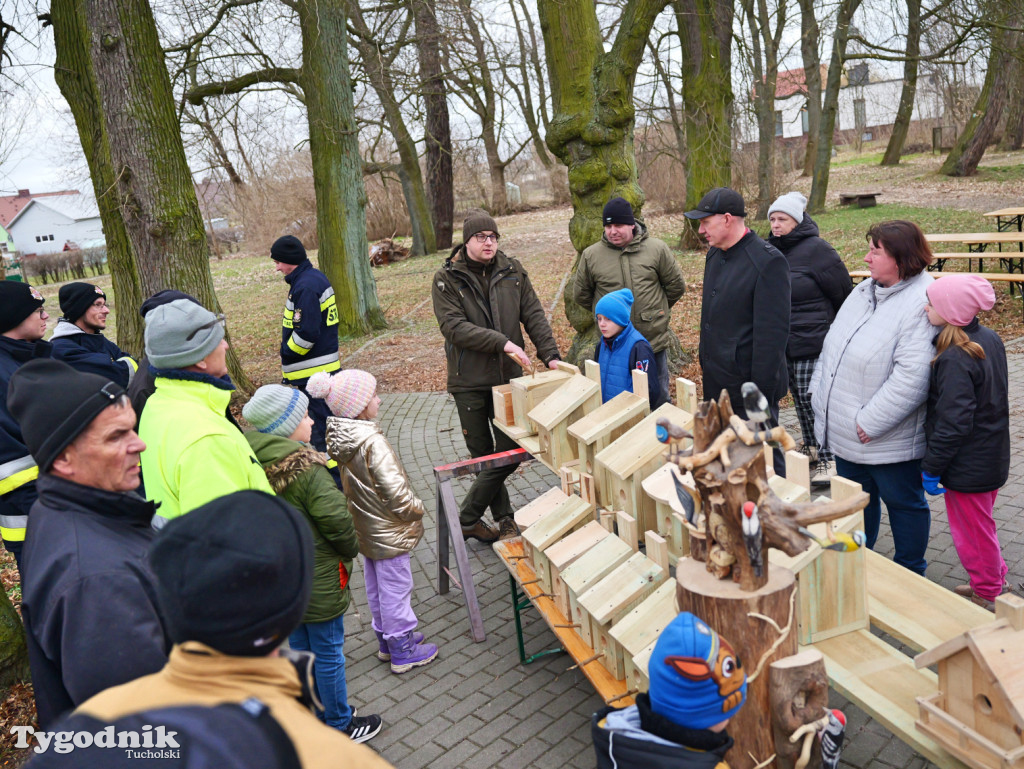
(764, 58)
(901, 125)
(810, 37)
(437, 136)
(705, 34)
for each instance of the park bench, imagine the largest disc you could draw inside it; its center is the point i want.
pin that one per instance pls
(862, 199)
(1015, 279)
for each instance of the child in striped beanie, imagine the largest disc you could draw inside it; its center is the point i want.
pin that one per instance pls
(387, 514)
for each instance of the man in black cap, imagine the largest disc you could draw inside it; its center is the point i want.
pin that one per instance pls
(233, 580)
(482, 300)
(627, 257)
(744, 315)
(87, 595)
(22, 328)
(78, 339)
(309, 329)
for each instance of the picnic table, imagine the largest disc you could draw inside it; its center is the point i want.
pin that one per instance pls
(1013, 279)
(1006, 218)
(979, 241)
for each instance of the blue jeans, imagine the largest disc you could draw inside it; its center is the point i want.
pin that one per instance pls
(325, 640)
(899, 486)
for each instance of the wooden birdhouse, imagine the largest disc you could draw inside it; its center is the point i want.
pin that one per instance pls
(576, 397)
(587, 570)
(565, 518)
(529, 514)
(978, 712)
(605, 424)
(527, 392)
(641, 628)
(633, 456)
(564, 552)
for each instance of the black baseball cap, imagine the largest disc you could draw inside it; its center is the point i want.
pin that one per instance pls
(720, 200)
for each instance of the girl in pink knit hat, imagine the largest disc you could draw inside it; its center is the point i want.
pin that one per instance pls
(388, 516)
(968, 428)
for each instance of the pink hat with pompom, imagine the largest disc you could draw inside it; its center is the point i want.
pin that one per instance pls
(959, 298)
(347, 393)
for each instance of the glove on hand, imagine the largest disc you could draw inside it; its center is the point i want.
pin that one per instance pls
(931, 484)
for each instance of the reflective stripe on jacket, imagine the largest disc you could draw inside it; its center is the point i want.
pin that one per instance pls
(309, 334)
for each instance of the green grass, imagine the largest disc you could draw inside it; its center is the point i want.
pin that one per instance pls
(1000, 173)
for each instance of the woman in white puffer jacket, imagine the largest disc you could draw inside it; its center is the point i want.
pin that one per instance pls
(871, 383)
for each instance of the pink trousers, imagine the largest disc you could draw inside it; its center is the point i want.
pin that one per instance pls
(974, 535)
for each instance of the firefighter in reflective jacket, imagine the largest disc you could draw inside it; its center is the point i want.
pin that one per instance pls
(309, 333)
(22, 327)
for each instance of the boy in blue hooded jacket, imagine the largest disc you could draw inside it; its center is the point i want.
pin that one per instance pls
(622, 349)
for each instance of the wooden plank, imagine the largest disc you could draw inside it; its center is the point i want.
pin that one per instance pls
(641, 681)
(1011, 608)
(642, 626)
(568, 516)
(625, 526)
(883, 683)
(788, 491)
(624, 407)
(450, 510)
(657, 549)
(573, 400)
(592, 371)
(640, 388)
(529, 514)
(639, 445)
(917, 611)
(798, 469)
(606, 686)
(686, 395)
(587, 570)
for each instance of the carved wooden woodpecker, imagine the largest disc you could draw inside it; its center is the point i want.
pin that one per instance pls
(832, 739)
(752, 537)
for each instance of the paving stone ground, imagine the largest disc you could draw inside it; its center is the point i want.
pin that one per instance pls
(477, 707)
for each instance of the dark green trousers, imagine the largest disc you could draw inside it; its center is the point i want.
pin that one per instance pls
(476, 410)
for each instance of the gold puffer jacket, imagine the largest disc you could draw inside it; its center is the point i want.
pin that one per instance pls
(387, 515)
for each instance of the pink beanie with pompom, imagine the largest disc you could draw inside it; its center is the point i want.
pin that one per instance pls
(959, 298)
(347, 393)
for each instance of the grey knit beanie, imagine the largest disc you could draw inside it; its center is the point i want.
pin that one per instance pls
(181, 333)
(792, 204)
(276, 409)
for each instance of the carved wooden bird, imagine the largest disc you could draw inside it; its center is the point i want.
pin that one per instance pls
(689, 509)
(751, 524)
(839, 541)
(755, 404)
(832, 739)
(669, 433)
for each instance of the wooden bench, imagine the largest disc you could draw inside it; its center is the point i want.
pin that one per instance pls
(1015, 279)
(862, 199)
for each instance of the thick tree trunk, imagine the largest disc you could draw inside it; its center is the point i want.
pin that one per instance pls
(337, 165)
(766, 75)
(591, 129)
(810, 34)
(437, 135)
(963, 159)
(496, 169)
(705, 36)
(117, 83)
(13, 649)
(822, 166)
(910, 68)
(379, 73)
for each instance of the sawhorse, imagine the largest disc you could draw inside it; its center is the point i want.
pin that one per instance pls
(449, 530)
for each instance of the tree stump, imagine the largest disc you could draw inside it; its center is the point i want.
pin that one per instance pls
(761, 626)
(798, 690)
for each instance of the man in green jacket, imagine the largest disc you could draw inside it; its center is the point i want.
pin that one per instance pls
(195, 454)
(626, 257)
(481, 296)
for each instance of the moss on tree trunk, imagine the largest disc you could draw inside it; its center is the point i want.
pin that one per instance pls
(111, 69)
(337, 166)
(13, 649)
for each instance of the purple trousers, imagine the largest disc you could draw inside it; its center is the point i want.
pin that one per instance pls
(389, 593)
(974, 536)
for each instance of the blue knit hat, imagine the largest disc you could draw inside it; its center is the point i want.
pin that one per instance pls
(615, 306)
(696, 678)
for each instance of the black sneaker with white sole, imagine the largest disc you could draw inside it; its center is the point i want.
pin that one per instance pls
(363, 728)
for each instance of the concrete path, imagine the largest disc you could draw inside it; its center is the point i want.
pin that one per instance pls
(477, 707)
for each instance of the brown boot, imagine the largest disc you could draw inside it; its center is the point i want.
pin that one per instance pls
(480, 531)
(507, 528)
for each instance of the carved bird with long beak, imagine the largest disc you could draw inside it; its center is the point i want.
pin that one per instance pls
(841, 542)
(751, 525)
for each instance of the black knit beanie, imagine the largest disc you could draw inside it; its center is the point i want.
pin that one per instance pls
(618, 211)
(54, 404)
(17, 302)
(76, 298)
(477, 220)
(235, 574)
(288, 249)
(166, 296)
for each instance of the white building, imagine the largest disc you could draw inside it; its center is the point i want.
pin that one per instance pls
(865, 105)
(47, 224)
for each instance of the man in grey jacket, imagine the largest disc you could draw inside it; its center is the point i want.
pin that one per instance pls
(626, 257)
